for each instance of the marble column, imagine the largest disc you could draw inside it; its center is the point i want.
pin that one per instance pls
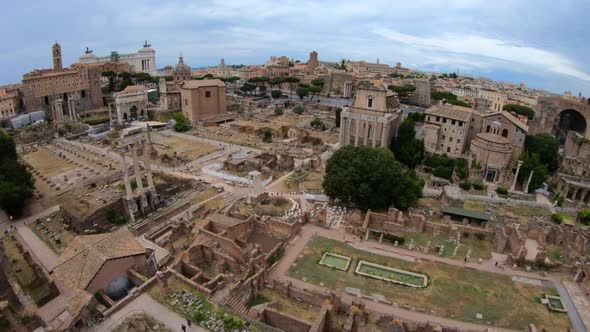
(365, 132)
(348, 130)
(384, 130)
(356, 136)
(136, 168)
(375, 126)
(526, 188)
(513, 187)
(146, 164)
(126, 175)
(342, 133)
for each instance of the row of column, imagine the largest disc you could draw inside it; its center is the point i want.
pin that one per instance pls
(564, 189)
(346, 126)
(136, 170)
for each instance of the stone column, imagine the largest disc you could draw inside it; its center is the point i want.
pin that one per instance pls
(119, 116)
(575, 193)
(348, 130)
(375, 134)
(342, 133)
(110, 113)
(567, 190)
(513, 187)
(125, 175)
(146, 164)
(526, 189)
(356, 137)
(384, 130)
(136, 168)
(365, 132)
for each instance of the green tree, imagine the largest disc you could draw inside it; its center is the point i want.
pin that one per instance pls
(532, 162)
(276, 81)
(248, 88)
(404, 92)
(371, 178)
(314, 90)
(298, 109)
(182, 123)
(584, 216)
(266, 136)
(458, 102)
(546, 146)
(338, 112)
(317, 124)
(292, 81)
(520, 110)
(406, 147)
(440, 95)
(318, 82)
(278, 111)
(7, 146)
(302, 92)
(276, 94)
(16, 183)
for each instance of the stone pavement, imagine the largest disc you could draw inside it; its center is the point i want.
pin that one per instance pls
(577, 303)
(295, 246)
(145, 304)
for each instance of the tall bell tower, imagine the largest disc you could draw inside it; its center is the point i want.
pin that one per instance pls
(56, 52)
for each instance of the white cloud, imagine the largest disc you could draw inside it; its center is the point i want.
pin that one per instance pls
(492, 48)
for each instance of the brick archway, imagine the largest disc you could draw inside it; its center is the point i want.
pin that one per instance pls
(549, 111)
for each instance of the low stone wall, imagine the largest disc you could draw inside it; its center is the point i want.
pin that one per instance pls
(284, 321)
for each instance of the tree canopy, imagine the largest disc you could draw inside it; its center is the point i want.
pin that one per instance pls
(532, 162)
(403, 91)
(440, 95)
(371, 178)
(546, 146)
(182, 124)
(302, 92)
(520, 110)
(406, 147)
(16, 183)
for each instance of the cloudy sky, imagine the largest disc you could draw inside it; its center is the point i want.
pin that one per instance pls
(539, 42)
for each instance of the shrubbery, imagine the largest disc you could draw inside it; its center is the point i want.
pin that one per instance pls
(298, 109)
(182, 124)
(465, 185)
(502, 191)
(114, 219)
(443, 166)
(557, 218)
(584, 216)
(478, 186)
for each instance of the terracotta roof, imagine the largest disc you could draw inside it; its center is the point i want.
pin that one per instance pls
(510, 118)
(194, 84)
(451, 112)
(86, 254)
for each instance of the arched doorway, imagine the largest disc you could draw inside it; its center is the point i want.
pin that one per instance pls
(133, 112)
(125, 117)
(567, 120)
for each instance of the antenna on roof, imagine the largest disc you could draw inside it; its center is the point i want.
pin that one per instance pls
(87, 50)
(145, 44)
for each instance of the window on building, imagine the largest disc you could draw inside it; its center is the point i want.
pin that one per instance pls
(207, 94)
(451, 139)
(505, 132)
(445, 120)
(460, 123)
(185, 101)
(443, 137)
(453, 122)
(370, 103)
(488, 129)
(83, 93)
(438, 119)
(448, 149)
(458, 140)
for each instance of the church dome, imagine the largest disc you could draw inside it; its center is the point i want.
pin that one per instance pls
(118, 288)
(182, 71)
(147, 48)
(88, 56)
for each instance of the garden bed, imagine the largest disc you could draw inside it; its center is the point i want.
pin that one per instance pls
(391, 274)
(335, 261)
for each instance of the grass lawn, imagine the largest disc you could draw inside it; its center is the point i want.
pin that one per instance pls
(479, 249)
(23, 272)
(523, 212)
(453, 291)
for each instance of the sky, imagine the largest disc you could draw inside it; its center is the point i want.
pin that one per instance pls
(537, 42)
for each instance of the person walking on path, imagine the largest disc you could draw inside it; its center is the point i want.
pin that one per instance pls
(183, 328)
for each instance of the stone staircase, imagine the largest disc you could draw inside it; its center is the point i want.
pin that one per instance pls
(236, 304)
